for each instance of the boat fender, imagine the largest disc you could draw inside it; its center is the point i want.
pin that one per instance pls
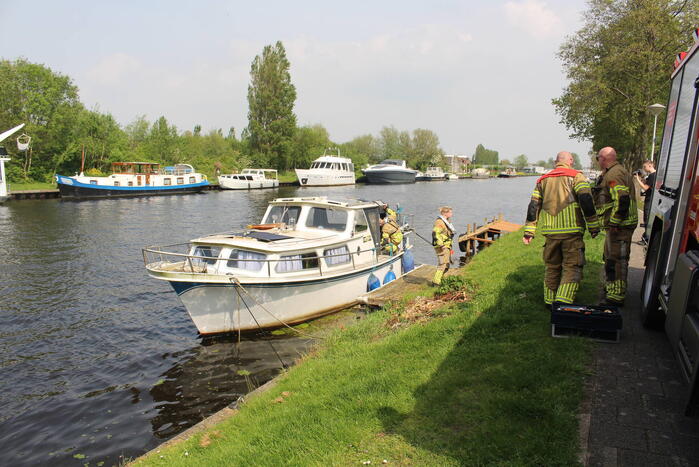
(373, 283)
(390, 276)
(407, 261)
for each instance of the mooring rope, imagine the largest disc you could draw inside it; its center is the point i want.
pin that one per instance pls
(237, 283)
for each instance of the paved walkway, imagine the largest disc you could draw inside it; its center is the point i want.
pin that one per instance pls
(633, 414)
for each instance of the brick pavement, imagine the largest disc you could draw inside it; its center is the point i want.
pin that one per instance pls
(634, 405)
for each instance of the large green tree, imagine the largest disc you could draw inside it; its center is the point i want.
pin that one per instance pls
(521, 161)
(618, 63)
(271, 98)
(484, 156)
(47, 102)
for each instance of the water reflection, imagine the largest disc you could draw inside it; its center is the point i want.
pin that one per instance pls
(209, 377)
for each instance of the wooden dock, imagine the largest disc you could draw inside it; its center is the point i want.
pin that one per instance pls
(478, 237)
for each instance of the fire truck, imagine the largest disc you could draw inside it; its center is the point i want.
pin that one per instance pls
(670, 289)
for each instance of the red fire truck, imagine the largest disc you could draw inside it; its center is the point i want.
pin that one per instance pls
(670, 291)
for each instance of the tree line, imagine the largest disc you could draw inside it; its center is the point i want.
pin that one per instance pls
(618, 64)
(62, 128)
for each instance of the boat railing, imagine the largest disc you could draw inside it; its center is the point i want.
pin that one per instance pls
(161, 258)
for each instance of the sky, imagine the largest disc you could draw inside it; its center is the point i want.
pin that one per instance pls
(474, 72)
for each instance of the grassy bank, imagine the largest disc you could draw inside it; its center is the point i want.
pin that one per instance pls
(31, 186)
(481, 382)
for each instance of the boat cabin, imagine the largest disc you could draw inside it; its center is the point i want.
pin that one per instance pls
(296, 236)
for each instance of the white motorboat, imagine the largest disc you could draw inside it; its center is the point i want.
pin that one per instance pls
(4, 157)
(432, 174)
(249, 179)
(390, 171)
(452, 177)
(309, 257)
(480, 172)
(134, 179)
(328, 170)
(509, 172)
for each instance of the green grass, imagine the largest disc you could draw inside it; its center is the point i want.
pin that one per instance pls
(288, 176)
(481, 384)
(16, 186)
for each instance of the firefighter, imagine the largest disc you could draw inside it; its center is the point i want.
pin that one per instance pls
(391, 235)
(560, 201)
(616, 207)
(442, 235)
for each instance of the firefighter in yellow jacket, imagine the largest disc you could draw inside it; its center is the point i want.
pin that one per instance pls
(560, 201)
(391, 235)
(616, 207)
(442, 235)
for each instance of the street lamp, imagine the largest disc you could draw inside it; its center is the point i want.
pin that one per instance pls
(654, 109)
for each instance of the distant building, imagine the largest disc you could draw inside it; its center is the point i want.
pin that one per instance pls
(458, 164)
(534, 169)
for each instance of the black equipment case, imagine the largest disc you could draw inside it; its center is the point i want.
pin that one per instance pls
(603, 323)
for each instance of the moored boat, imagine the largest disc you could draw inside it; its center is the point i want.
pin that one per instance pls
(249, 179)
(390, 171)
(134, 179)
(432, 174)
(308, 257)
(480, 172)
(508, 173)
(328, 170)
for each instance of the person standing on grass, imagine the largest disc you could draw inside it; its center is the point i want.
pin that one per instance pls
(442, 235)
(616, 206)
(560, 201)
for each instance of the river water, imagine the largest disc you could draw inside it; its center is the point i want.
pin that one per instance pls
(100, 363)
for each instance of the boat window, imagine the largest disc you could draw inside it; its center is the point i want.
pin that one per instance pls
(372, 215)
(324, 218)
(116, 183)
(247, 260)
(205, 255)
(248, 177)
(166, 181)
(93, 182)
(192, 180)
(180, 181)
(360, 223)
(293, 263)
(335, 256)
(283, 214)
(130, 183)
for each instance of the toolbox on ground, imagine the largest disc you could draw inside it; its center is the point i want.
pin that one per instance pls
(598, 322)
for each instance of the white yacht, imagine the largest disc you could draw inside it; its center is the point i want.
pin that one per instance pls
(390, 171)
(308, 257)
(328, 170)
(432, 174)
(249, 179)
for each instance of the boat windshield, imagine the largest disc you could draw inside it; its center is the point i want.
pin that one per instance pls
(283, 213)
(326, 218)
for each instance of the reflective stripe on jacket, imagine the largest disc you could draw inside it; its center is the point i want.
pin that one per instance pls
(616, 198)
(561, 205)
(441, 234)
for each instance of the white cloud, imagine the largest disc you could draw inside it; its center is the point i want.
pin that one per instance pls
(113, 69)
(534, 17)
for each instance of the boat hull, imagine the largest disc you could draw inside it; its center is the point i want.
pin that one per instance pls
(309, 177)
(221, 307)
(227, 184)
(387, 177)
(76, 190)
